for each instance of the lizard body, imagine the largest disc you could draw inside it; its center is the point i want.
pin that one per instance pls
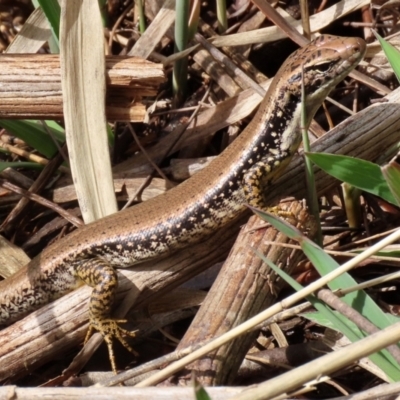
(191, 211)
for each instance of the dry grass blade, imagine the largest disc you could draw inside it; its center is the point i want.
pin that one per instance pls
(33, 35)
(270, 34)
(153, 34)
(83, 85)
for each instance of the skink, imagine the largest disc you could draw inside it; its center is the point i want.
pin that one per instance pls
(191, 211)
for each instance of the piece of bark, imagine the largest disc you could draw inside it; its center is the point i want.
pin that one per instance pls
(244, 287)
(30, 86)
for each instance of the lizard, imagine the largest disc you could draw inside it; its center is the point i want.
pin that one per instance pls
(190, 212)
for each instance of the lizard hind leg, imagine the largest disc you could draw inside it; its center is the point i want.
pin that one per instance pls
(104, 280)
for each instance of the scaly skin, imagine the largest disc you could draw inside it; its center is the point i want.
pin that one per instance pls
(191, 211)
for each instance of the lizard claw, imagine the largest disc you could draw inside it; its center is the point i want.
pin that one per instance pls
(109, 329)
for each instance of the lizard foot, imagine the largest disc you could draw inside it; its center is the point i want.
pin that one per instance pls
(279, 212)
(109, 329)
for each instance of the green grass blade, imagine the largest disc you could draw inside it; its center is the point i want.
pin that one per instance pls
(362, 174)
(179, 78)
(392, 54)
(200, 392)
(142, 19)
(338, 322)
(324, 264)
(34, 134)
(22, 164)
(52, 10)
(221, 16)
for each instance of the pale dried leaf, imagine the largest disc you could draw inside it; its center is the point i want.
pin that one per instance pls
(34, 34)
(12, 258)
(270, 34)
(153, 34)
(83, 85)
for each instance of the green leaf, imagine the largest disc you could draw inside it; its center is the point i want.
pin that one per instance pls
(392, 54)
(362, 174)
(23, 164)
(199, 391)
(386, 252)
(52, 10)
(34, 134)
(321, 319)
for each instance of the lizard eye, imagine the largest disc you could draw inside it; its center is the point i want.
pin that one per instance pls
(323, 67)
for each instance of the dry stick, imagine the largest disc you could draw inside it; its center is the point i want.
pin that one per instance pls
(140, 189)
(149, 176)
(60, 149)
(339, 253)
(325, 365)
(335, 302)
(279, 21)
(34, 90)
(305, 18)
(11, 175)
(55, 225)
(41, 200)
(47, 172)
(234, 54)
(116, 25)
(382, 392)
(245, 81)
(120, 393)
(23, 153)
(143, 150)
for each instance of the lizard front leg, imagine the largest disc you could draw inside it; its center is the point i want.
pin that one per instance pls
(260, 175)
(104, 280)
